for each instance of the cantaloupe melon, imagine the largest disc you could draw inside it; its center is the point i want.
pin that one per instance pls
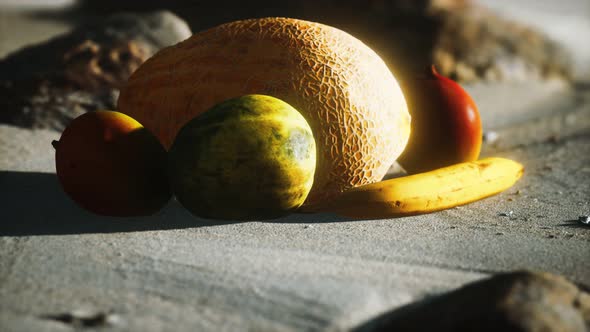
(345, 91)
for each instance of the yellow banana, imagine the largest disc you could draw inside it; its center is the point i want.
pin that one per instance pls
(428, 192)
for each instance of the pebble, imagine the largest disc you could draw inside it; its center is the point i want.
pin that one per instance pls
(490, 136)
(584, 220)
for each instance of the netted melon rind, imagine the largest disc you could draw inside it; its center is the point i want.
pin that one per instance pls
(344, 89)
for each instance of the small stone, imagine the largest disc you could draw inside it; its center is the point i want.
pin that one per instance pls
(84, 319)
(444, 61)
(506, 214)
(465, 73)
(490, 137)
(492, 75)
(584, 220)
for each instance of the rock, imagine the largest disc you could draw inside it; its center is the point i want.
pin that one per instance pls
(479, 41)
(47, 85)
(49, 107)
(518, 301)
(467, 43)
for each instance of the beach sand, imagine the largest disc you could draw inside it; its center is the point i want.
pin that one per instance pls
(304, 272)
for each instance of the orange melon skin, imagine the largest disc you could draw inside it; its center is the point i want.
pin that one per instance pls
(345, 91)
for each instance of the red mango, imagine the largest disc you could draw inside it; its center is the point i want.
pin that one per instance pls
(446, 126)
(109, 164)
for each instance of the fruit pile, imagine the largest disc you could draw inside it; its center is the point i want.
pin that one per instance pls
(264, 117)
(249, 157)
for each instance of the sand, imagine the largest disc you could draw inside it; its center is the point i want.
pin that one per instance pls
(173, 271)
(304, 272)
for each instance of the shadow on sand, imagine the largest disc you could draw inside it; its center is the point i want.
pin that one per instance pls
(34, 204)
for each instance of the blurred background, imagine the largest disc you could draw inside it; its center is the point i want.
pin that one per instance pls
(388, 26)
(61, 58)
